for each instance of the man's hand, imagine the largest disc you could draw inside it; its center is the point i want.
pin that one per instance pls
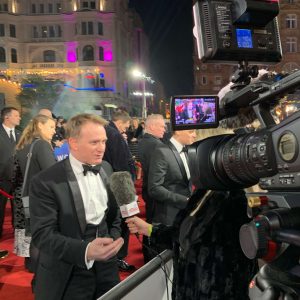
(103, 248)
(137, 225)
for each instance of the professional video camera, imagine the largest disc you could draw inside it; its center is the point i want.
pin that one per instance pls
(242, 31)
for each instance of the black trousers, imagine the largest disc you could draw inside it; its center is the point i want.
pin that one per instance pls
(93, 283)
(125, 235)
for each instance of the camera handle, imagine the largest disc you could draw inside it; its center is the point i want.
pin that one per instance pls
(264, 116)
(242, 76)
(279, 279)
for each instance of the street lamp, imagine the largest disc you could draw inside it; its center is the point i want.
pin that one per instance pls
(138, 74)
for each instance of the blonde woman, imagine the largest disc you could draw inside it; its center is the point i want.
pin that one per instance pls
(42, 129)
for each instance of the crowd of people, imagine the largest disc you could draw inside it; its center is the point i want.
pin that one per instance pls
(72, 235)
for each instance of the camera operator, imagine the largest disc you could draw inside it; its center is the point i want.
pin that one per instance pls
(208, 260)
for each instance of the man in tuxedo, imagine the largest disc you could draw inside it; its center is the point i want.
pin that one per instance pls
(169, 177)
(75, 220)
(9, 136)
(117, 153)
(154, 131)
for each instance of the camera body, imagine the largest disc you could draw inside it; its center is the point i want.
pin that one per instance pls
(238, 32)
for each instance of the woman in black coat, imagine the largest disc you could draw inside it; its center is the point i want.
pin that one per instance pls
(40, 129)
(208, 261)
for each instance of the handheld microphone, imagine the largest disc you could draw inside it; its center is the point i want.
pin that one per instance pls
(123, 189)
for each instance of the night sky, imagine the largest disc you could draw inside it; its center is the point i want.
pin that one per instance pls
(168, 25)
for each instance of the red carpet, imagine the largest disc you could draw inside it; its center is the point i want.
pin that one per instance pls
(15, 280)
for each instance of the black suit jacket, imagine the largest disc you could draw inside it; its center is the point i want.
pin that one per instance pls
(168, 184)
(58, 224)
(7, 150)
(146, 146)
(117, 152)
(42, 158)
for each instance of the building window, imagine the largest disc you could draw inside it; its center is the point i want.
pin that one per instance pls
(100, 28)
(4, 7)
(291, 21)
(42, 10)
(58, 7)
(290, 67)
(14, 58)
(2, 30)
(87, 28)
(49, 56)
(2, 55)
(44, 31)
(101, 53)
(12, 30)
(218, 80)
(93, 5)
(88, 5)
(88, 53)
(33, 8)
(59, 32)
(204, 80)
(291, 44)
(51, 31)
(50, 8)
(35, 32)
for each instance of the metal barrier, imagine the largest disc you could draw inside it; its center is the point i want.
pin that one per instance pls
(146, 282)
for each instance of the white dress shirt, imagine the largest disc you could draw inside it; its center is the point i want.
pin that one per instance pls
(179, 148)
(93, 192)
(94, 196)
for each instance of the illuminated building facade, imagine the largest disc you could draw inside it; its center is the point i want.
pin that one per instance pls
(89, 44)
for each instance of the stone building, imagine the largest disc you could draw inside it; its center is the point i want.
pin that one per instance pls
(90, 45)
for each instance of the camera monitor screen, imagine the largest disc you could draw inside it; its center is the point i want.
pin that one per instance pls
(194, 112)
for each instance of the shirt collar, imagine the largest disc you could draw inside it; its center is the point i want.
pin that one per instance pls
(7, 129)
(177, 145)
(76, 165)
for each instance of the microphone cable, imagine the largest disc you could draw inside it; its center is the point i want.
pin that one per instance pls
(163, 265)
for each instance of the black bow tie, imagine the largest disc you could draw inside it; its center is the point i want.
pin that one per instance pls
(184, 149)
(89, 168)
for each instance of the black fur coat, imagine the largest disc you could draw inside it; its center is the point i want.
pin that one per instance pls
(208, 261)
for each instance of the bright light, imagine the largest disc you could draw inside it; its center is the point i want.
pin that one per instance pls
(138, 73)
(147, 94)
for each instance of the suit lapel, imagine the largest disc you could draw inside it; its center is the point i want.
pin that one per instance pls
(78, 202)
(179, 160)
(4, 134)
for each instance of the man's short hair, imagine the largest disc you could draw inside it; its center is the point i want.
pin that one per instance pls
(6, 111)
(121, 116)
(152, 119)
(75, 124)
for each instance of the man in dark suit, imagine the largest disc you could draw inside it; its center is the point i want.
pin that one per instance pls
(9, 136)
(154, 131)
(117, 153)
(169, 177)
(75, 221)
